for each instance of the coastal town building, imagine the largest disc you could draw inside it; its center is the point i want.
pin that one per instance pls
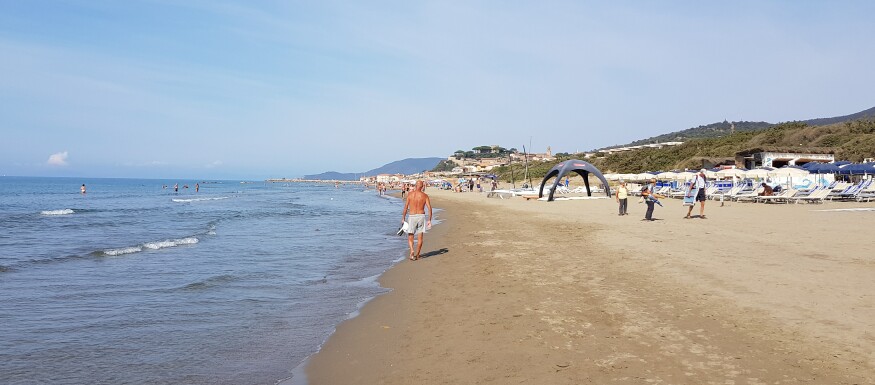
(639, 147)
(389, 178)
(779, 157)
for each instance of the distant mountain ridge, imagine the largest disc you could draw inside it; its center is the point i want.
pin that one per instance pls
(404, 166)
(716, 130)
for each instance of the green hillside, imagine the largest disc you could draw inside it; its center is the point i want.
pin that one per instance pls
(714, 130)
(852, 141)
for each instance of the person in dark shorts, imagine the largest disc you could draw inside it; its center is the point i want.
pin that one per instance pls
(651, 198)
(697, 187)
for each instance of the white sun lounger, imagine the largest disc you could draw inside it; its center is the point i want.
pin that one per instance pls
(816, 196)
(783, 196)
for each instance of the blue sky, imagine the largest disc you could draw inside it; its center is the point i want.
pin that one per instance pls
(256, 89)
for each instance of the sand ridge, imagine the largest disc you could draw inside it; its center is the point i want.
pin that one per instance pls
(569, 292)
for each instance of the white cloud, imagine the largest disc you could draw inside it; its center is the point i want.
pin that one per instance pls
(58, 159)
(216, 163)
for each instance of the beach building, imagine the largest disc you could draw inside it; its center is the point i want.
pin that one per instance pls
(779, 157)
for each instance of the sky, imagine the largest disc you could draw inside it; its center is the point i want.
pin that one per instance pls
(259, 89)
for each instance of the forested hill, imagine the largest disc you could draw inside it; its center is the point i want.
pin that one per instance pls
(716, 130)
(405, 166)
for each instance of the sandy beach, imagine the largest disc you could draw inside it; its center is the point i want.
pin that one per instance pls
(568, 292)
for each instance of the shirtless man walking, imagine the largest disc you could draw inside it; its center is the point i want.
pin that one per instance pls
(415, 205)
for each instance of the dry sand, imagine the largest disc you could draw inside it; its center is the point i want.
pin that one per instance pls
(529, 292)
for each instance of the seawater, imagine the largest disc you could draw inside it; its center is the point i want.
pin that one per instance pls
(133, 283)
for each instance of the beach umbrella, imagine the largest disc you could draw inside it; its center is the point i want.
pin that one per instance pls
(789, 171)
(666, 175)
(757, 173)
(731, 173)
(686, 175)
(643, 176)
(857, 169)
(824, 168)
(710, 174)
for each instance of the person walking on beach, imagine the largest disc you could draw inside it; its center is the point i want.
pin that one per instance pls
(623, 198)
(650, 198)
(415, 205)
(697, 189)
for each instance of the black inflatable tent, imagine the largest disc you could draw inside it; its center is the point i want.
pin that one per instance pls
(578, 166)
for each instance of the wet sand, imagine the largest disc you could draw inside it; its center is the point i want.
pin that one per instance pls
(528, 292)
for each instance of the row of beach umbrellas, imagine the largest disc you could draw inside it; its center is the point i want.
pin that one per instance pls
(843, 168)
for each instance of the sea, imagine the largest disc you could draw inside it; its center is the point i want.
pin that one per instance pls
(135, 283)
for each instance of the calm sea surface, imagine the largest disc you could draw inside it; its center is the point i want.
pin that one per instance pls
(135, 284)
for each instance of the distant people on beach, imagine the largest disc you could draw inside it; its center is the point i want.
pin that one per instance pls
(414, 213)
(82, 189)
(697, 189)
(494, 185)
(176, 187)
(479, 187)
(471, 185)
(622, 198)
(197, 187)
(767, 190)
(566, 182)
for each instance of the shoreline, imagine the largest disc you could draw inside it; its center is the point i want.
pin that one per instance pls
(564, 292)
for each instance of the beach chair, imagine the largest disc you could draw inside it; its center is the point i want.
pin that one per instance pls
(677, 193)
(784, 196)
(850, 193)
(816, 196)
(748, 195)
(838, 189)
(726, 194)
(867, 193)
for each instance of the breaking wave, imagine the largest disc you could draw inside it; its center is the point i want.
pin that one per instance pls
(57, 212)
(157, 245)
(188, 200)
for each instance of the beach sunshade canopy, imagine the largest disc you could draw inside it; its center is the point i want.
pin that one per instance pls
(710, 174)
(857, 169)
(823, 168)
(686, 175)
(644, 176)
(666, 175)
(789, 171)
(758, 173)
(581, 168)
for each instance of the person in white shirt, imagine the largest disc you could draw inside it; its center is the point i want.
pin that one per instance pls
(697, 188)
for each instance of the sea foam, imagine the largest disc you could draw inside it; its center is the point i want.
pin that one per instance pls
(57, 212)
(170, 243)
(122, 251)
(188, 200)
(157, 245)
